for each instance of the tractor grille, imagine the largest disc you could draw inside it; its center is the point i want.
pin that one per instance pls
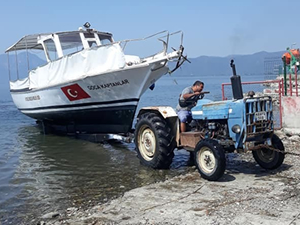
(259, 115)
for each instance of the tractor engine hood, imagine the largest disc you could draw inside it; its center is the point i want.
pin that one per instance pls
(211, 110)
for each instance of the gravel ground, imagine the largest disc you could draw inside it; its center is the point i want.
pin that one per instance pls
(246, 194)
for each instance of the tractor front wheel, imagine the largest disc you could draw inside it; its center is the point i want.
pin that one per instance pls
(210, 159)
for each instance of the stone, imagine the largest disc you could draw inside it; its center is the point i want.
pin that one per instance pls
(295, 138)
(50, 215)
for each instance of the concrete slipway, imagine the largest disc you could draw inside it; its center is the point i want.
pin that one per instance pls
(246, 194)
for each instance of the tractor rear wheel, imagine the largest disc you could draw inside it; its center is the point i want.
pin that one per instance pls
(270, 159)
(154, 142)
(210, 159)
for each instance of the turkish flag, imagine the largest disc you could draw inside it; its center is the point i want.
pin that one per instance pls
(74, 92)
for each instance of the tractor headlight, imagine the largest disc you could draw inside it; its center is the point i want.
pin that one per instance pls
(236, 129)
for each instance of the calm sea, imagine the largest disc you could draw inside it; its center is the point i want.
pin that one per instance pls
(46, 173)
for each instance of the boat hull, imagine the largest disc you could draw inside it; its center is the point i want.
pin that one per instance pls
(104, 103)
(115, 119)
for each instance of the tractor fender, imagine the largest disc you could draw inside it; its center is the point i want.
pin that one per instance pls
(164, 111)
(169, 114)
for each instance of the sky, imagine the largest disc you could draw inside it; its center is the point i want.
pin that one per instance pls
(210, 27)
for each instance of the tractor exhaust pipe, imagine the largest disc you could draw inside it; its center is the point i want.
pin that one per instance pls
(236, 83)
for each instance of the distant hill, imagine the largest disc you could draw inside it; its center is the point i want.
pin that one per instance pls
(202, 65)
(211, 65)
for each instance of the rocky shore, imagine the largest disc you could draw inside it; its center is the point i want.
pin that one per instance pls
(246, 194)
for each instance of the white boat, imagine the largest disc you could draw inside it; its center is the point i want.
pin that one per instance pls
(91, 86)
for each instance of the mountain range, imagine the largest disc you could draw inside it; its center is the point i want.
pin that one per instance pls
(202, 65)
(245, 64)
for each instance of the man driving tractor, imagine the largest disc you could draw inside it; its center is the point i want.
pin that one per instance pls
(187, 100)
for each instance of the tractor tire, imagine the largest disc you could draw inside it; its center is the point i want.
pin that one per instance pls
(269, 159)
(154, 142)
(210, 159)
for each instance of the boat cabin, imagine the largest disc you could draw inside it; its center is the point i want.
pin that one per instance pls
(74, 55)
(68, 56)
(58, 45)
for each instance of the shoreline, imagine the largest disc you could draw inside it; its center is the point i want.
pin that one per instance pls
(246, 194)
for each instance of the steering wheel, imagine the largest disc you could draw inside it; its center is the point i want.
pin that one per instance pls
(192, 100)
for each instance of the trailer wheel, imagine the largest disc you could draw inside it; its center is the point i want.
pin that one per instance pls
(269, 159)
(153, 141)
(210, 159)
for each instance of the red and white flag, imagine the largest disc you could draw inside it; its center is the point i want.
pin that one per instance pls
(74, 92)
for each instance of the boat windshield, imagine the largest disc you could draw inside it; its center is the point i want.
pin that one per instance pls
(105, 39)
(70, 43)
(73, 42)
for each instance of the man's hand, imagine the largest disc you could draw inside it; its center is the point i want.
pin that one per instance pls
(201, 94)
(197, 93)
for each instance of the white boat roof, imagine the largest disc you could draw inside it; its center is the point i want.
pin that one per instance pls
(31, 41)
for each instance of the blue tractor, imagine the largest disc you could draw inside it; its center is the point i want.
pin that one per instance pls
(242, 124)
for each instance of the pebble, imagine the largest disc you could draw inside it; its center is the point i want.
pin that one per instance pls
(295, 138)
(72, 209)
(41, 223)
(50, 215)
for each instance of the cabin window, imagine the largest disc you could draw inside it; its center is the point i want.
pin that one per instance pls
(92, 44)
(70, 43)
(51, 49)
(105, 39)
(89, 35)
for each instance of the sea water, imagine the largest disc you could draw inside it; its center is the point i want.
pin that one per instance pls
(47, 173)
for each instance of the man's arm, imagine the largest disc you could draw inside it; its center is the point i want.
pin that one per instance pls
(186, 96)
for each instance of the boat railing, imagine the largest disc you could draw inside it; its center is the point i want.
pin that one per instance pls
(165, 39)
